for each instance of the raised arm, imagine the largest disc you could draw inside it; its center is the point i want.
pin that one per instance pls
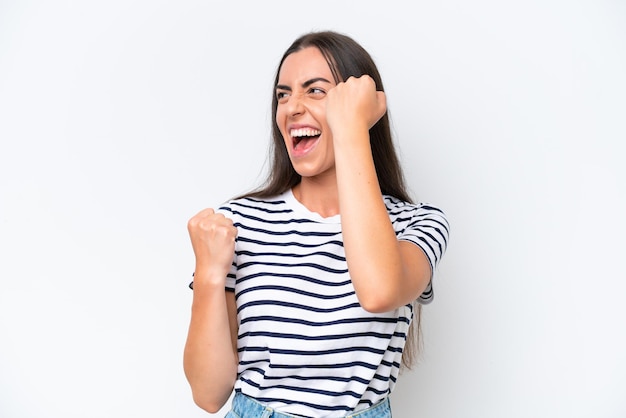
(386, 273)
(210, 357)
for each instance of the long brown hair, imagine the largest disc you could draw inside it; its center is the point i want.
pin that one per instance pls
(345, 58)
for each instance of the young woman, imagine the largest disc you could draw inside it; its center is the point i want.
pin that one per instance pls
(304, 290)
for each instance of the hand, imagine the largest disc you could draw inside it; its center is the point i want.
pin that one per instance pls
(213, 240)
(355, 104)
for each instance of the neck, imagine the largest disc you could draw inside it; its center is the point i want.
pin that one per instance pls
(318, 195)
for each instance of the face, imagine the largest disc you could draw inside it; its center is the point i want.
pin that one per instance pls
(303, 82)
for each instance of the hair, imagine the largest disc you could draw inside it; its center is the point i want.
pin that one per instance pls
(345, 58)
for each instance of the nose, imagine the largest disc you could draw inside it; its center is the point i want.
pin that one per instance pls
(295, 106)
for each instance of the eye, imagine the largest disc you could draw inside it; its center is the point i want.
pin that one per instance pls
(316, 91)
(281, 96)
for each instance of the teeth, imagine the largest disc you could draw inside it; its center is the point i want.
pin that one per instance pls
(305, 132)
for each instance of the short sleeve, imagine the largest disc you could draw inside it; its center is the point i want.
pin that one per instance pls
(227, 211)
(427, 228)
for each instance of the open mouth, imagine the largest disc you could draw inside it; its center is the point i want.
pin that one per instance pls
(304, 138)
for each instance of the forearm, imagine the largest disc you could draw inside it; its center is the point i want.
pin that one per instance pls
(372, 249)
(210, 359)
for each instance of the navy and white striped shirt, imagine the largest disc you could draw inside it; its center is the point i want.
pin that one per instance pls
(306, 347)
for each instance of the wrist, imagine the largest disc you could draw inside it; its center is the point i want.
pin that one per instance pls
(350, 132)
(207, 276)
(352, 143)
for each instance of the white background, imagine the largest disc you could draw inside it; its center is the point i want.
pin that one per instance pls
(121, 119)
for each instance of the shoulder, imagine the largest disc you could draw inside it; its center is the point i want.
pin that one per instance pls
(255, 207)
(418, 221)
(401, 210)
(424, 224)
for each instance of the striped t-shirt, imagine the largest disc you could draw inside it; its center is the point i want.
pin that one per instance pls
(306, 347)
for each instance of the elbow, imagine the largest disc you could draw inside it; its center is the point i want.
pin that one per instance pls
(377, 303)
(399, 290)
(379, 290)
(380, 299)
(378, 308)
(209, 397)
(212, 406)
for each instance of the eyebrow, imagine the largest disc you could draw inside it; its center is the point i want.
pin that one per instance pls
(304, 85)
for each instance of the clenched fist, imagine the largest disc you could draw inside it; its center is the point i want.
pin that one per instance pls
(355, 103)
(213, 240)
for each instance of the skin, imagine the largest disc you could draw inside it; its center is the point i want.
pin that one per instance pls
(338, 177)
(210, 356)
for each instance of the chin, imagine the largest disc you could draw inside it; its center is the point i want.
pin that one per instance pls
(310, 172)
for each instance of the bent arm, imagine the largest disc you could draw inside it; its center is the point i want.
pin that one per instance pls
(386, 273)
(210, 357)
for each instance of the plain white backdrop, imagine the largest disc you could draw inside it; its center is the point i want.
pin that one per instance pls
(119, 120)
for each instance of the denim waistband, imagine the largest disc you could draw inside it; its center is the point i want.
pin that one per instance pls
(245, 407)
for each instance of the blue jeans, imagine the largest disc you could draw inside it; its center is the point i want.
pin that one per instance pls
(246, 407)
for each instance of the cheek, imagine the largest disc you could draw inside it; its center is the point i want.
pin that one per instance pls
(318, 110)
(279, 124)
(280, 120)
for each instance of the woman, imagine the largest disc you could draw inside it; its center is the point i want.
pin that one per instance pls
(322, 265)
